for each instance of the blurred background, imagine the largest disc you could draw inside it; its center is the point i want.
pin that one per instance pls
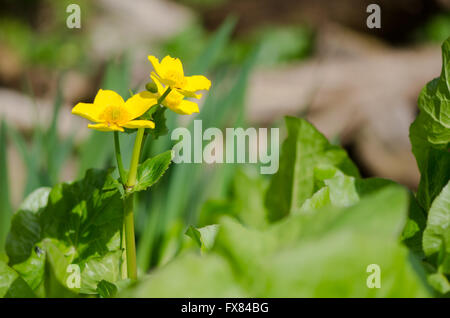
(266, 58)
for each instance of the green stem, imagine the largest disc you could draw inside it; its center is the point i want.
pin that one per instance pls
(123, 180)
(160, 100)
(119, 157)
(135, 158)
(130, 241)
(163, 96)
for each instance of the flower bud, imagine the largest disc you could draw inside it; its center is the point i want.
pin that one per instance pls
(151, 87)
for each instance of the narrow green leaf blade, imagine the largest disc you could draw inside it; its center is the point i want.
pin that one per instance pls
(5, 203)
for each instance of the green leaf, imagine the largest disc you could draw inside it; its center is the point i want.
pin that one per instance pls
(106, 289)
(189, 276)
(248, 198)
(84, 212)
(98, 269)
(412, 234)
(25, 228)
(151, 170)
(436, 237)
(326, 254)
(32, 270)
(57, 275)
(430, 134)
(336, 189)
(12, 285)
(439, 282)
(75, 223)
(203, 236)
(157, 115)
(336, 265)
(304, 149)
(380, 213)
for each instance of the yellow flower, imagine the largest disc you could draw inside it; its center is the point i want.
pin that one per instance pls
(170, 72)
(111, 112)
(175, 101)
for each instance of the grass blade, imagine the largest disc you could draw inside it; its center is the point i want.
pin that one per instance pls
(5, 203)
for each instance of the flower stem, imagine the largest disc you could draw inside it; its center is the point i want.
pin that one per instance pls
(119, 157)
(129, 207)
(130, 242)
(164, 95)
(135, 158)
(123, 180)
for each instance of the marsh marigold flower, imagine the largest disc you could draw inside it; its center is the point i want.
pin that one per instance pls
(175, 101)
(111, 113)
(170, 72)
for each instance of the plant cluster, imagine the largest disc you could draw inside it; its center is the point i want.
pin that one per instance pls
(312, 230)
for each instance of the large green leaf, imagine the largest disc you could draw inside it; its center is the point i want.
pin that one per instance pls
(25, 228)
(189, 276)
(57, 272)
(303, 150)
(326, 254)
(97, 269)
(12, 285)
(86, 215)
(430, 134)
(436, 237)
(248, 199)
(336, 265)
(75, 223)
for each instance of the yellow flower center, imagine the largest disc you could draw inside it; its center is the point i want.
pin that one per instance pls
(114, 114)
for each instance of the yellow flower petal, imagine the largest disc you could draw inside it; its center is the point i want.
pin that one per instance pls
(105, 127)
(89, 111)
(155, 79)
(170, 64)
(139, 103)
(189, 94)
(155, 63)
(106, 98)
(196, 83)
(139, 124)
(185, 107)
